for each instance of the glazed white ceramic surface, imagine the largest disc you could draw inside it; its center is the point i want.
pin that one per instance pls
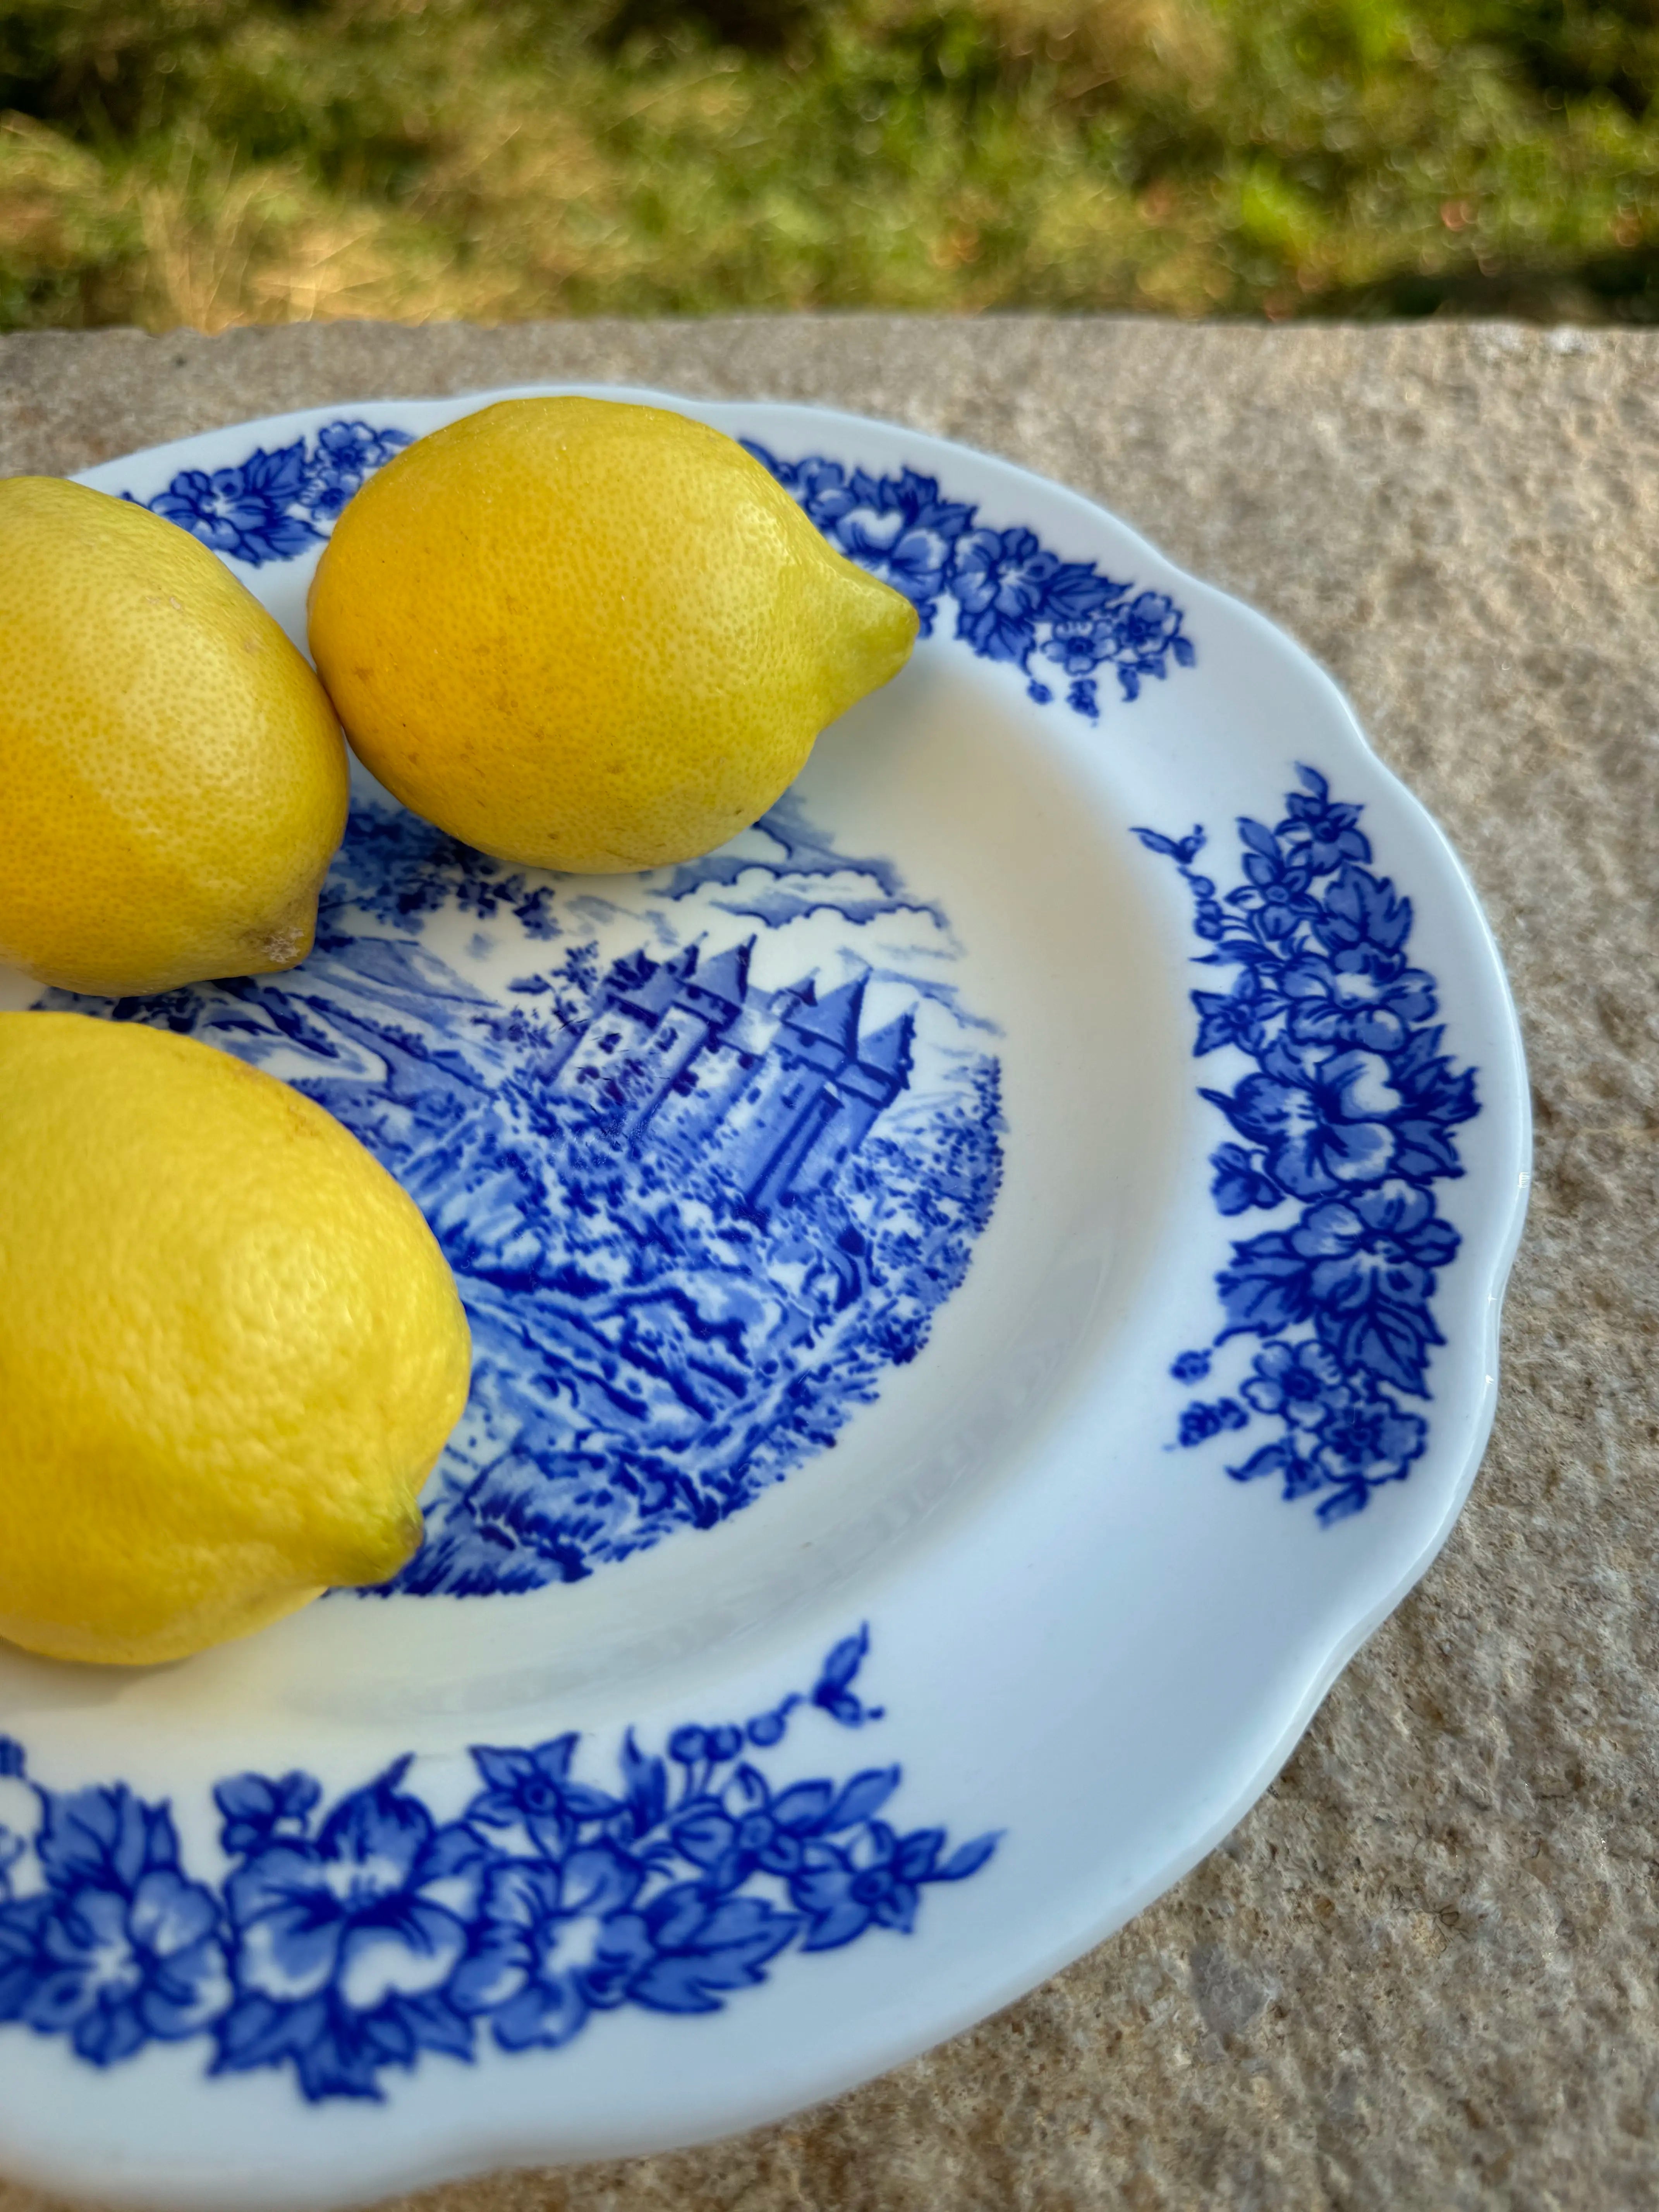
(1001, 1597)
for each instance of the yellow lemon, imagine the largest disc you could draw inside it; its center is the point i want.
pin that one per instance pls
(172, 779)
(231, 1349)
(588, 636)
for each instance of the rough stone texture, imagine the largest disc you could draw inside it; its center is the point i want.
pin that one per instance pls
(1421, 1973)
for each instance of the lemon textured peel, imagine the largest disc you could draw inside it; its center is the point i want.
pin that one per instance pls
(585, 634)
(233, 1348)
(172, 779)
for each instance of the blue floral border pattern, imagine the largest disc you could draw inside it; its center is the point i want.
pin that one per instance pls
(274, 507)
(1016, 603)
(1345, 1122)
(345, 1939)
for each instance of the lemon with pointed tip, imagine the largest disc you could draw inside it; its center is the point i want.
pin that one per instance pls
(232, 1348)
(585, 634)
(172, 779)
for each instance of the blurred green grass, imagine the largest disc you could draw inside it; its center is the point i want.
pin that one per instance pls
(219, 161)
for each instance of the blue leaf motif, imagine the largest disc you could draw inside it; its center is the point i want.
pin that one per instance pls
(1362, 910)
(645, 1786)
(1181, 850)
(245, 512)
(1266, 1288)
(862, 1798)
(1240, 1182)
(700, 1953)
(256, 1809)
(966, 1860)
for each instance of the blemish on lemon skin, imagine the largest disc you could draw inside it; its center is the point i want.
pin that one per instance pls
(285, 947)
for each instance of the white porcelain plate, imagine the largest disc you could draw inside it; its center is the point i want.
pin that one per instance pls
(985, 1290)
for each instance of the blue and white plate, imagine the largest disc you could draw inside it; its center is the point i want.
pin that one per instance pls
(985, 1291)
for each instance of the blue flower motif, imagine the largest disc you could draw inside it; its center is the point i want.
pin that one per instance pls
(1362, 1269)
(746, 1829)
(875, 1880)
(1137, 656)
(349, 1941)
(1345, 1441)
(1322, 1117)
(1348, 1114)
(1370, 1441)
(557, 1942)
(343, 1945)
(1356, 997)
(118, 1949)
(1014, 599)
(246, 511)
(1275, 893)
(1294, 1380)
(1145, 634)
(1326, 828)
(1147, 624)
(1000, 581)
(124, 1971)
(270, 507)
(346, 456)
(533, 1789)
(1371, 1260)
(1078, 647)
(1244, 1015)
(901, 530)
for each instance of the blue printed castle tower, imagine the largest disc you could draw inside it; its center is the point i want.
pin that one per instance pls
(775, 1088)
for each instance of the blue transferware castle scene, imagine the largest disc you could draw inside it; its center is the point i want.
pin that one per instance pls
(706, 1151)
(780, 1087)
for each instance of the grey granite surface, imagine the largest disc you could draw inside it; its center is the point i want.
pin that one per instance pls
(1423, 1971)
